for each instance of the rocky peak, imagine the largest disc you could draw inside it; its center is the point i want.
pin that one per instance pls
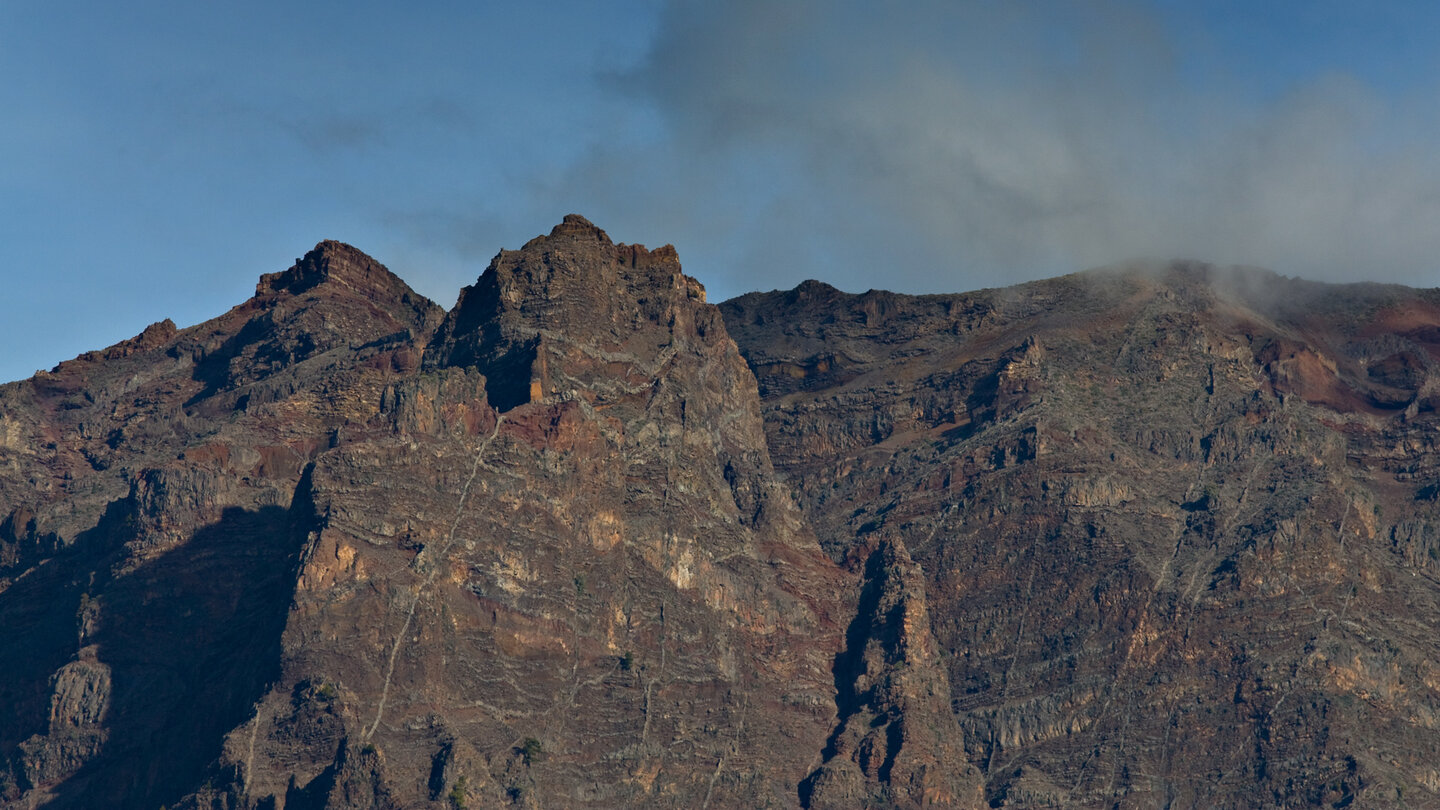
(811, 288)
(335, 297)
(333, 262)
(523, 321)
(576, 227)
(576, 234)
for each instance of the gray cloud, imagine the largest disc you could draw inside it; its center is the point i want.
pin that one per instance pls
(941, 146)
(919, 145)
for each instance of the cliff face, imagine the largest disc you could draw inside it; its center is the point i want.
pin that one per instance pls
(1177, 524)
(152, 530)
(1134, 537)
(586, 590)
(336, 548)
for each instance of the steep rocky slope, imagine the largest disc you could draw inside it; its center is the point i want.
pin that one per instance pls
(1160, 536)
(308, 554)
(582, 586)
(1177, 524)
(151, 535)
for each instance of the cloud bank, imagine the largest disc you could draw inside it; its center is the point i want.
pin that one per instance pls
(156, 159)
(941, 146)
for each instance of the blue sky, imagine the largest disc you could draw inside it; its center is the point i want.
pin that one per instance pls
(157, 157)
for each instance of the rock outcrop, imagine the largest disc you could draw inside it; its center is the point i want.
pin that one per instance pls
(1170, 520)
(152, 527)
(531, 553)
(896, 745)
(594, 589)
(1159, 536)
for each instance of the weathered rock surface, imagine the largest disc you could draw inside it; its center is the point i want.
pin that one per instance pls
(1174, 521)
(598, 594)
(75, 735)
(896, 745)
(352, 571)
(1158, 536)
(148, 491)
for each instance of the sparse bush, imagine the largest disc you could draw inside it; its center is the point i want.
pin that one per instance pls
(457, 794)
(531, 751)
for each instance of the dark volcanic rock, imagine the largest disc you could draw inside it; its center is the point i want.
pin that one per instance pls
(567, 315)
(150, 529)
(1158, 536)
(599, 595)
(897, 745)
(331, 577)
(1174, 531)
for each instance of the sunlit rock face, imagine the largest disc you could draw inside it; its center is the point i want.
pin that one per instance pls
(1146, 536)
(337, 548)
(1177, 523)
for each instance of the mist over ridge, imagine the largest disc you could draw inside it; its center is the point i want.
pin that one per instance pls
(935, 146)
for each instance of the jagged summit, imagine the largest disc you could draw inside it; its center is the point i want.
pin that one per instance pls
(1110, 539)
(812, 286)
(576, 233)
(575, 226)
(335, 262)
(573, 286)
(333, 296)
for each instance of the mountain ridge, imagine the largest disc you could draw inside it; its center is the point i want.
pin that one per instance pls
(588, 540)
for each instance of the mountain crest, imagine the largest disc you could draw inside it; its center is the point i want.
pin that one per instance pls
(329, 261)
(521, 321)
(574, 226)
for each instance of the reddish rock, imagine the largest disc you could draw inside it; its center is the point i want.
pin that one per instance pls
(1142, 537)
(1175, 522)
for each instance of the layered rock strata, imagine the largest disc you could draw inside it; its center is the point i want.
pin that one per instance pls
(1174, 520)
(1148, 536)
(338, 548)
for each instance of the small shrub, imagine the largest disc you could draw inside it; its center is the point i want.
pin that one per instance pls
(457, 794)
(627, 661)
(532, 751)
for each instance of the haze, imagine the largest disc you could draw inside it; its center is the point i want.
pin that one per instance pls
(157, 157)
